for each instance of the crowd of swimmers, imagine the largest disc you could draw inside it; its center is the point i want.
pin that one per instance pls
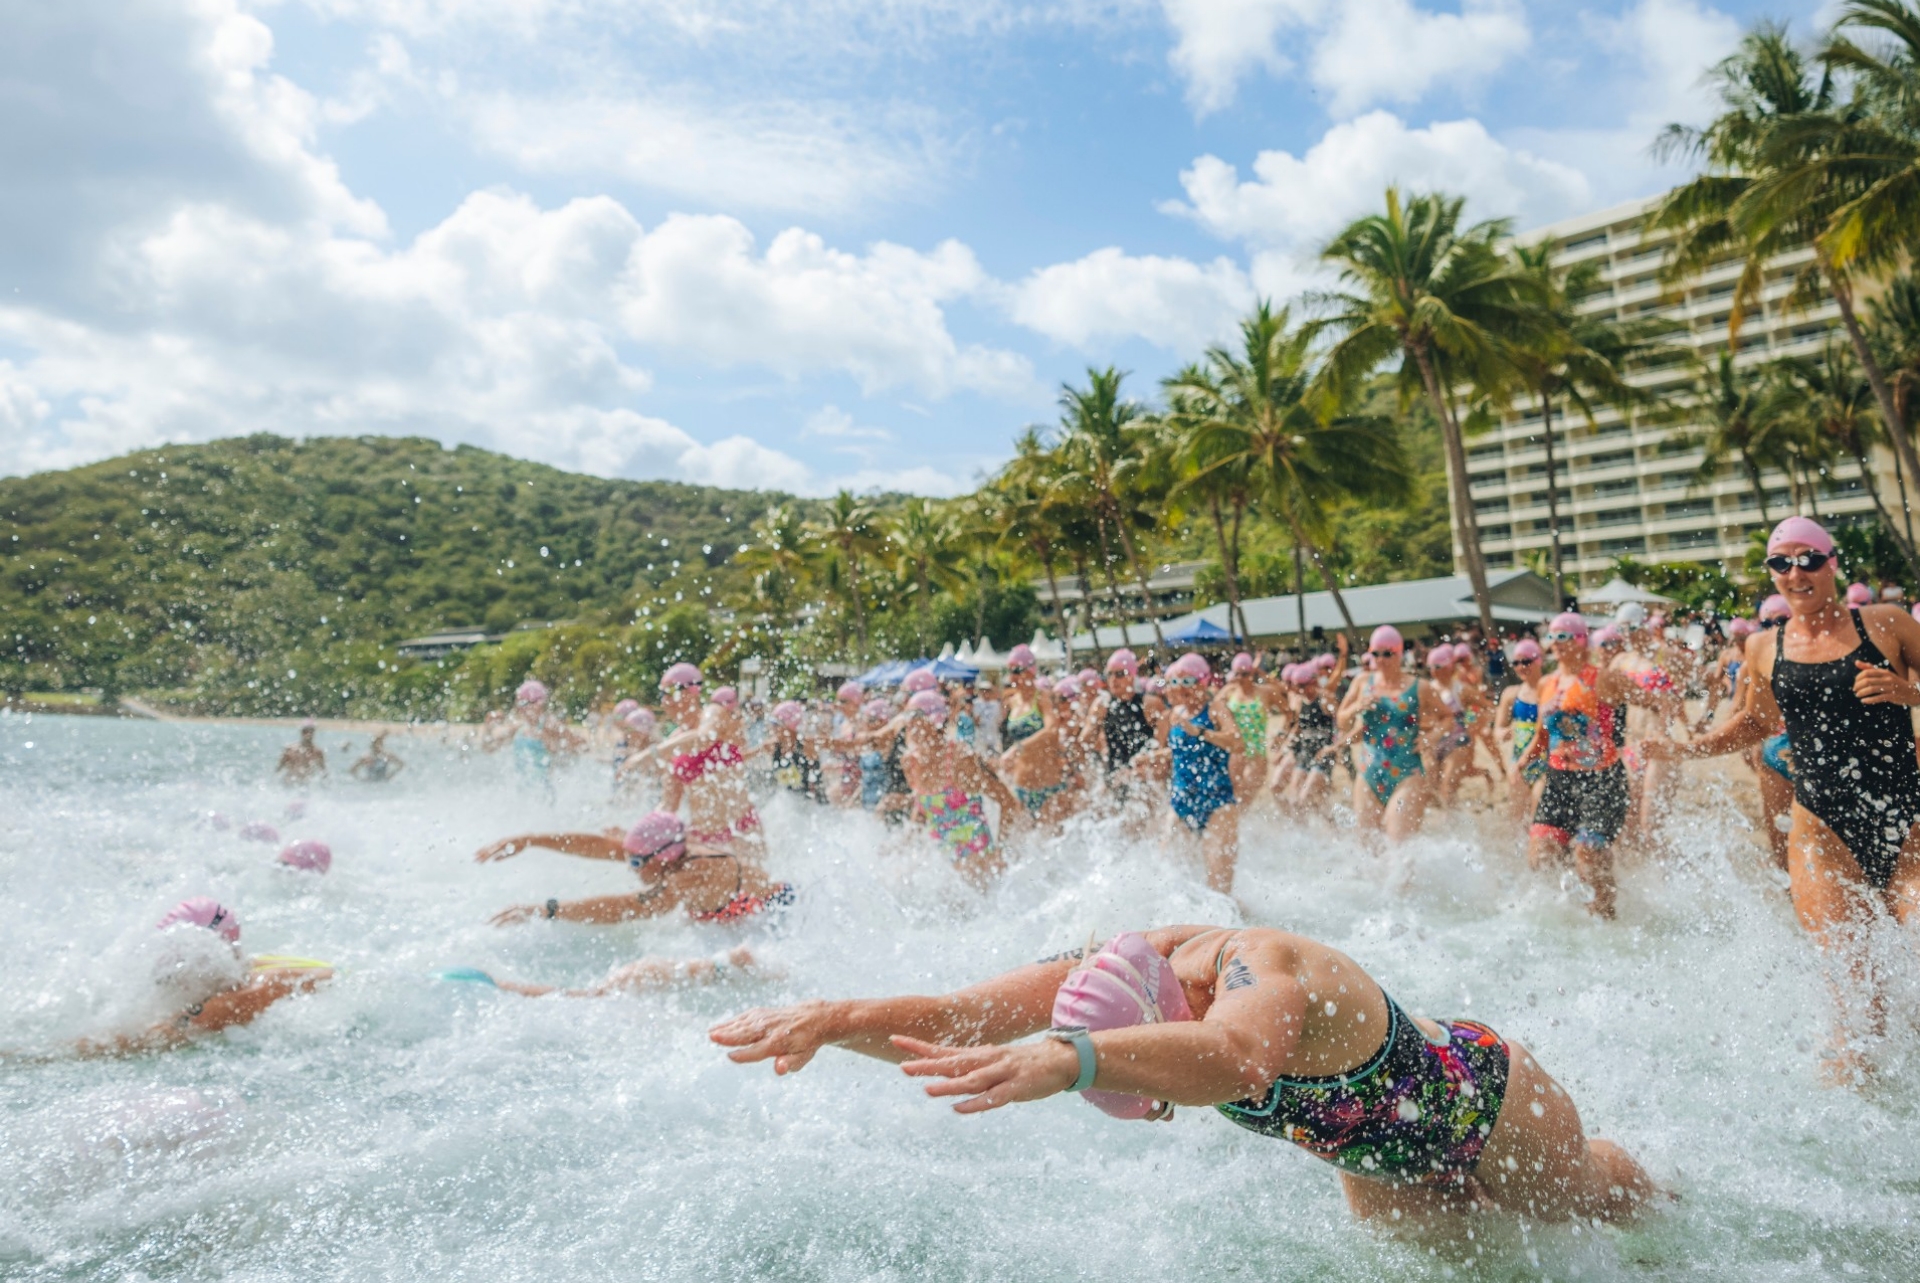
(1567, 740)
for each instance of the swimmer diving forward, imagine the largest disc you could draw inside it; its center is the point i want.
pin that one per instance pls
(1285, 1036)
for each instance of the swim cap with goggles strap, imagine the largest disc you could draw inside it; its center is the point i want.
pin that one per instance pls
(1125, 983)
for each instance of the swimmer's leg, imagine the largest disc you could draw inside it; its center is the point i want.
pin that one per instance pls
(1408, 809)
(1835, 905)
(1593, 861)
(1539, 1162)
(1220, 847)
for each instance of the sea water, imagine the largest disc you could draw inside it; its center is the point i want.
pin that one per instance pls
(392, 1126)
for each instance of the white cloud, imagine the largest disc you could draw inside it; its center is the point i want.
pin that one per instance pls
(832, 421)
(1357, 52)
(1391, 51)
(1293, 203)
(1171, 302)
(922, 480)
(766, 154)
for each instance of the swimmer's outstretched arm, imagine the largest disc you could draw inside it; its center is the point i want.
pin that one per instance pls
(222, 1011)
(607, 845)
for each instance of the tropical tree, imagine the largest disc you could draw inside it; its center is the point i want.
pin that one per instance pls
(1581, 359)
(781, 557)
(851, 528)
(1104, 443)
(1450, 305)
(1893, 328)
(1186, 456)
(925, 538)
(1791, 163)
(1030, 510)
(1259, 412)
(1739, 421)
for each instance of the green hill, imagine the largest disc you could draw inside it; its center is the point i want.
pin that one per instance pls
(212, 570)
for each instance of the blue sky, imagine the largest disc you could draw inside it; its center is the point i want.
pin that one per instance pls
(804, 244)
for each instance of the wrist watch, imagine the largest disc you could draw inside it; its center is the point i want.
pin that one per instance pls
(1082, 1043)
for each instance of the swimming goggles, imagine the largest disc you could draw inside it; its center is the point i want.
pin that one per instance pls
(1564, 637)
(1383, 654)
(1183, 682)
(1781, 564)
(1520, 661)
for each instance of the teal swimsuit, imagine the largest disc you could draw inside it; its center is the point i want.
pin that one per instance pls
(1390, 728)
(1025, 726)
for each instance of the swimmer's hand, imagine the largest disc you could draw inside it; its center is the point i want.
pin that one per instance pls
(990, 1077)
(518, 913)
(500, 850)
(790, 1036)
(1876, 685)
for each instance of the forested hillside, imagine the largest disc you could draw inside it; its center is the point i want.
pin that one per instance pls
(205, 568)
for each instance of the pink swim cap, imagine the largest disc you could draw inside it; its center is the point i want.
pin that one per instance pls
(1528, 648)
(682, 674)
(1570, 622)
(1020, 657)
(876, 710)
(307, 856)
(1190, 665)
(1800, 530)
(259, 831)
(726, 697)
(641, 720)
(928, 704)
(624, 707)
(1609, 635)
(788, 713)
(1242, 663)
(532, 691)
(1859, 595)
(1304, 674)
(1123, 661)
(1742, 627)
(1326, 662)
(1774, 607)
(1126, 983)
(1916, 610)
(1387, 637)
(920, 679)
(850, 690)
(203, 911)
(1289, 672)
(658, 836)
(1440, 656)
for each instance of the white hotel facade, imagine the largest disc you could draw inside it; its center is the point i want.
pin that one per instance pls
(1627, 489)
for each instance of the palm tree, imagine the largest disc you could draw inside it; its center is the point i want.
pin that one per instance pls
(1893, 328)
(1261, 412)
(1102, 444)
(1450, 305)
(1186, 456)
(1831, 401)
(780, 556)
(1733, 402)
(1030, 511)
(850, 527)
(926, 539)
(1581, 358)
(1791, 164)
(981, 518)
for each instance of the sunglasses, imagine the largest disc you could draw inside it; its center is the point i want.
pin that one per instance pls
(1383, 654)
(1781, 564)
(1563, 637)
(1524, 660)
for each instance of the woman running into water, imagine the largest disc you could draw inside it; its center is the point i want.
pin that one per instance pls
(1425, 1120)
(1201, 740)
(301, 762)
(1453, 752)
(1843, 682)
(1130, 721)
(843, 758)
(1024, 716)
(1037, 764)
(950, 789)
(1772, 758)
(679, 873)
(1583, 804)
(199, 975)
(796, 763)
(1651, 777)
(633, 752)
(1395, 716)
(534, 733)
(378, 765)
(1311, 780)
(1249, 699)
(1517, 720)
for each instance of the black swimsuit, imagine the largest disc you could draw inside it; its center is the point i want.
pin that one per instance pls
(1316, 731)
(1128, 731)
(1854, 763)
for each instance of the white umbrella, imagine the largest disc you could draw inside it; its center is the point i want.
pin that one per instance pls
(946, 651)
(1617, 590)
(965, 653)
(985, 659)
(1045, 649)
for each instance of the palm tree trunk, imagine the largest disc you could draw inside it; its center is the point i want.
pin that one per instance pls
(1759, 489)
(1553, 499)
(859, 607)
(1053, 588)
(1333, 588)
(926, 608)
(1466, 522)
(1113, 589)
(1900, 480)
(1140, 574)
(1876, 379)
(1812, 487)
(1227, 567)
(1233, 585)
(980, 601)
(1880, 510)
(1299, 592)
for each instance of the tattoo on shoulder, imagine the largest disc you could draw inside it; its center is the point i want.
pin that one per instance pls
(1238, 975)
(1063, 955)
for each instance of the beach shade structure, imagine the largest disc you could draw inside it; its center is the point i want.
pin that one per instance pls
(1201, 632)
(965, 654)
(986, 659)
(1616, 592)
(946, 652)
(952, 670)
(1045, 649)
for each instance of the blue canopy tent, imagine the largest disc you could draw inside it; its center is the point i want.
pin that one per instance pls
(952, 670)
(889, 673)
(1201, 632)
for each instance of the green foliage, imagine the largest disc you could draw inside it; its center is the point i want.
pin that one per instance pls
(1697, 585)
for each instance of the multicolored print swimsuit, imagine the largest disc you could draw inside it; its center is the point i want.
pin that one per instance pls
(1526, 724)
(1390, 728)
(1250, 715)
(779, 896)
(959, 820)
(1418, 1113)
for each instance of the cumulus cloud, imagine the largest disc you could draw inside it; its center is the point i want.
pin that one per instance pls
(1170, 302)
(1295, 202)
(1356, 52)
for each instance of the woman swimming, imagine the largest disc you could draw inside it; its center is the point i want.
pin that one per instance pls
(1394, 715)
(1201, 746)
(1842, 680)
(678, 874)
(1423, 1119)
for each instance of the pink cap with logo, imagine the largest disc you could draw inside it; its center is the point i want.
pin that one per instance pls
(659, 835)
(850, 691)
(788, 713)
(1859, 595)
(203, 911)
(1774, 607)
(1242, 663)
(1800, 530)
(1020, 657)
(1126, 983)
(928, 704)
(1386, 637)
(681, 674)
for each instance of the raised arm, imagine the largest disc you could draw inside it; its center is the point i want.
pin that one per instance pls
(610, 844)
